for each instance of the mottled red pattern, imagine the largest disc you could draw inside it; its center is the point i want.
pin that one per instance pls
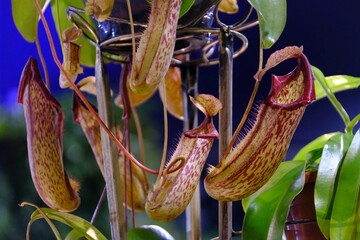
(44, 125)
(156, 46)
(173, 191)
(254, 160)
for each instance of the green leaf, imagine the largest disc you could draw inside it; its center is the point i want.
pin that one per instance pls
(87, 53)
(272, 19)
(26, 17)
(83, 227)
(344, 223)
(44, 216)
(353, 123)
(325, 186)
(185, 7)
(267, 209)
(320, 78)
(315, 144)
(148, 232)
(74, 235)
(336, 83)
(312, 158)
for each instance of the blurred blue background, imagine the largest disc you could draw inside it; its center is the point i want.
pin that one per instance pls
(329, 32)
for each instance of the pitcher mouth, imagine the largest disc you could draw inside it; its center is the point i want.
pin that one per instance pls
(304, 92)
(260, 151)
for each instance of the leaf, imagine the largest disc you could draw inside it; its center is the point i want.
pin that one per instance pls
(344, 221)
(83, 227)
(74, 235)
(185, 7)
(333, 153)
(51, 224)
(87, 53)
(336, 83)
(26, 17)
(148, 232)
(311, 160)
(272, 19)
(267, 209)
(315, 144)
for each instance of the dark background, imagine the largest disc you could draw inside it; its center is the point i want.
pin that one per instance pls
(328, 31)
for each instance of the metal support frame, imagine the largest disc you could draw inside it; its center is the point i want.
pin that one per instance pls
(111, 163)
(226, 41)
(200, 39)
(193, 211)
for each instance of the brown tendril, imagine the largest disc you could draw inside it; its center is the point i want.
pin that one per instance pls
(43, 63)
(165, 144)
(248, 108)
(82, 97)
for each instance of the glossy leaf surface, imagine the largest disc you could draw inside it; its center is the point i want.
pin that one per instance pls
(345, 213)
(325, 186)
(148, 232)
(74, 235)
(312, 160)
(26, 17)
(336, 83)
(315, 144)
(185, 6)
(272, 19)
(266, 209)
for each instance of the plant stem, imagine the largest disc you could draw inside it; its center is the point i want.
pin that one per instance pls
(166, 132)
(243, 119)
(350, 126)
(97, 209)
(43, 63)
(225, 120)
(111, 163)
(331, 96)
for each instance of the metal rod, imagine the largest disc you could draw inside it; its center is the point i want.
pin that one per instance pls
(225, 119)
(111, 163)
(193, 211)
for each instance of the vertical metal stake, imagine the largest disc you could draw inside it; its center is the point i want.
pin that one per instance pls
(193, 211)
(111, 163)
(226, 42)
